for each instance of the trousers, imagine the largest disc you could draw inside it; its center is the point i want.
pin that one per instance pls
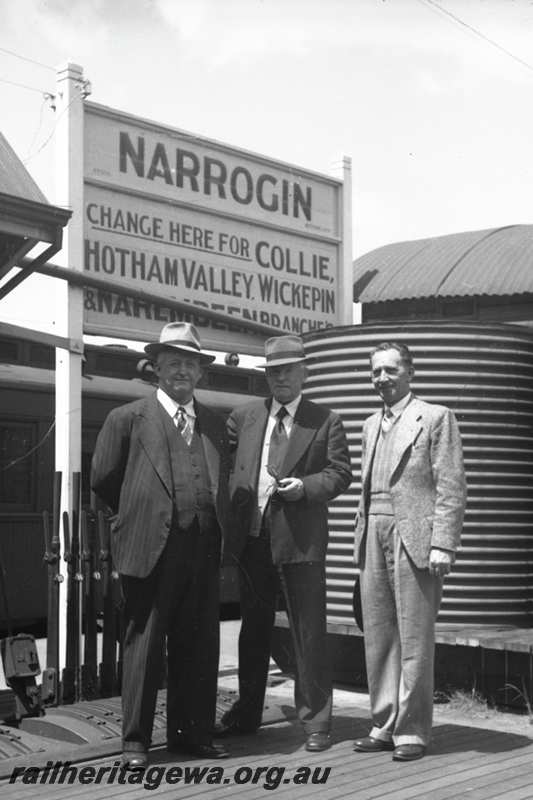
(400, 603)
(178, 601)
(304, 590)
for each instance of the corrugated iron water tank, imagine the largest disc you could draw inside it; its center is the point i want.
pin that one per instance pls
(484, 373)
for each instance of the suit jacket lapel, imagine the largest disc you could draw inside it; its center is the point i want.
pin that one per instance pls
(409, 426)
(252, 432)
(153, 438)
(373, 429)
(302, 433)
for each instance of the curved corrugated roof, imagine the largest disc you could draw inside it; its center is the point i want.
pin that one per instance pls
(498, 261)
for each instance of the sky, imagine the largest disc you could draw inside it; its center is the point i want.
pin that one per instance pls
(431, 99)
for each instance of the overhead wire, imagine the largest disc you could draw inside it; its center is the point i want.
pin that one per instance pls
(476, 32)
(53, 131)
(46, 97)
(36, 134)
(24, 86)
(30, 452)
(24, 58)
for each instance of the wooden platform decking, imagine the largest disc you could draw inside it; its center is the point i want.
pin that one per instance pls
(489, 659)
(464, 761)
(487, 636)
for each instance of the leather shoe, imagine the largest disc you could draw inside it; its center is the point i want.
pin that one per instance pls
(408, 752)
(318, 741)
(199, 750)
(370, 745)
(134, 759)
(231, 727)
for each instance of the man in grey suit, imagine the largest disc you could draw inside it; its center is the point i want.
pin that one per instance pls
(162, 466)
(407, 531)
(291, 459)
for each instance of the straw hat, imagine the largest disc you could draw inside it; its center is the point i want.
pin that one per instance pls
(180, 336)
(279, 350)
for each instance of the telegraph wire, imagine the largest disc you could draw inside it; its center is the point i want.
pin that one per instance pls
(24, 58)
(36, 134)
(53, 131)
(28, 453)
(24, 86)
(476, 32)
(37, 446)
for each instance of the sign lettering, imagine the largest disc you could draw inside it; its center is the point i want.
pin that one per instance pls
(190, 220)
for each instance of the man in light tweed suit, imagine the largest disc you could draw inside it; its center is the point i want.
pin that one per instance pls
(408, 528)
(162, 465)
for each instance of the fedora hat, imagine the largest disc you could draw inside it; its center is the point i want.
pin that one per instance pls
(288, 349)
(180, 336)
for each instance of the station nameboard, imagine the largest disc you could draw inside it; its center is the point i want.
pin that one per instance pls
(189, 219)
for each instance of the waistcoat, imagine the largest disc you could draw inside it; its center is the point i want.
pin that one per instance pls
(382, 460)
(190, 477)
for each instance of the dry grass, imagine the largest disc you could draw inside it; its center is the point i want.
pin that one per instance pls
(470, 704)
(523, 694)
(471, 708)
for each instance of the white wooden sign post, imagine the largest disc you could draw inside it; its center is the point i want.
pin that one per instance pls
(69, 175)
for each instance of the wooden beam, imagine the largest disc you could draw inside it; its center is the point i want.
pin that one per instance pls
(17, 332)
(77, 278)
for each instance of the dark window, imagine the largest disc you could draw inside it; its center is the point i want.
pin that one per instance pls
(115, 363)
(42, 356)
(228, 382)
(259, 385)
(17, 466)
(9, 351)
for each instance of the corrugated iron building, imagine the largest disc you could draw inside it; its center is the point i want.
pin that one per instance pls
(442, 296)
(484, 373)
(477, 275)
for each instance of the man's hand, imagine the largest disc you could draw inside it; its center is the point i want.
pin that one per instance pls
(440, 562)
(290, 489)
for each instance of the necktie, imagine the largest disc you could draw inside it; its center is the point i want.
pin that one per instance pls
(279, 441)
(387, 420)
(183, 424)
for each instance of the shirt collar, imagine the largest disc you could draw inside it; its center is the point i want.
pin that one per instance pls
(398, 407)
(291, 407)
(171, 406)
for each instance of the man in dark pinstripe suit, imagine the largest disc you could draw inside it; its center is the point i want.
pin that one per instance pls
(162, 464)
